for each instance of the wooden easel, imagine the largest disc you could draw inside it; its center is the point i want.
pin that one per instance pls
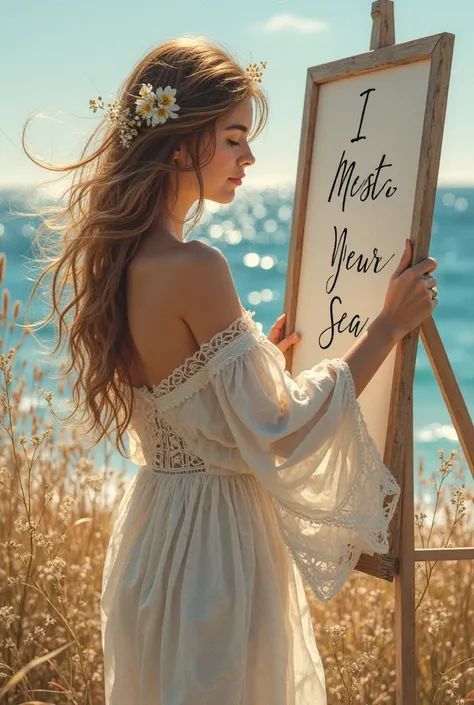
(400, 430)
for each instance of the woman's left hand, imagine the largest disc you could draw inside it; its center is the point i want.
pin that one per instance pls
(275, 333)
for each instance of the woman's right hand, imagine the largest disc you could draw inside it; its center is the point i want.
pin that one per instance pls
(409, 299)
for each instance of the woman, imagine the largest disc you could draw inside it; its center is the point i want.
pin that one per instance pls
(250, 480)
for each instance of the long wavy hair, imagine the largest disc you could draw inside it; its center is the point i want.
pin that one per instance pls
(87, 239)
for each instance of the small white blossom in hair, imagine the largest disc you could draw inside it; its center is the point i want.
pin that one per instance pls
(120, 117)
(255, 73)
(152, 107)
(156, 106)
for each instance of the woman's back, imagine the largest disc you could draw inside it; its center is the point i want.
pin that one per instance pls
(164, 282)
(157, 280)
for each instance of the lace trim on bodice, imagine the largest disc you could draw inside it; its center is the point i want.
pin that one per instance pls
(155, 442)
(192, 374)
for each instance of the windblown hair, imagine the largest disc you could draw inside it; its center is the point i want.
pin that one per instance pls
(115, 197)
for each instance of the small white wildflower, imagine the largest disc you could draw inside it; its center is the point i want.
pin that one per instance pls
(5, 475)
(57, 564)
(66, 506)
(336, 631)
(95, 482)
(33, 527)
(90, 655)
(21, 524)
(7, 616)
(41, 540)
(83, 466)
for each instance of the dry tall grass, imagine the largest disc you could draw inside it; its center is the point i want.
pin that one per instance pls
(54, 528)
(355, 631)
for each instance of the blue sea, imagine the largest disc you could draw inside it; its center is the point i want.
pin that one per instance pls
(254, 234)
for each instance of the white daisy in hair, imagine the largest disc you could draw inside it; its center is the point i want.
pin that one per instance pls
(152, 107)
(156, 106)
(147, 90)
(146, 102)
(166, 96)
(160, 114)
(166, 100)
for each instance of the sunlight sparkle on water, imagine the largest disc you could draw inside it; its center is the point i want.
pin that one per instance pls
(284, 213)
(264, 296)
(233, 237)
(251, 259)
(270, 225)
(249, 232)
(28, 230)
(215, 231)
(259, 211)
(449, 199)
(268, 261)
(227, 225)
(461, 204)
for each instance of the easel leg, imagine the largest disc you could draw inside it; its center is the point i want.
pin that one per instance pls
(449, 388)
(405, 637)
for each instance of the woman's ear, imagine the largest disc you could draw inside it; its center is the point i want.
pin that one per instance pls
(179, 155)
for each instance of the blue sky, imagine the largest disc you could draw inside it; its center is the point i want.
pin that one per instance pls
(56, 55)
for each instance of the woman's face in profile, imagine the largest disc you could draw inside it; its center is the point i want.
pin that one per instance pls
(231, 158)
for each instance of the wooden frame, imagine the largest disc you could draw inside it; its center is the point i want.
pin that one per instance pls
(439, 48)
(399, 563)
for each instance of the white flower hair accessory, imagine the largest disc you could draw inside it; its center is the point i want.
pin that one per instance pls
(153, 107)
(156, 106)
(254, 72)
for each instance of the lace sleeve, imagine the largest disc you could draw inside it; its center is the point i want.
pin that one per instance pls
(306, 442)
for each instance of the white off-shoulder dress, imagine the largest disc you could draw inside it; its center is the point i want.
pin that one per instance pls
(251, 481)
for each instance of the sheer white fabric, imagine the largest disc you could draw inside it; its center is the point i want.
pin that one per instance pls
(250, 480)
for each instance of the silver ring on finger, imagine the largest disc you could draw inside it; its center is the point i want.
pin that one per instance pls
(428, 277)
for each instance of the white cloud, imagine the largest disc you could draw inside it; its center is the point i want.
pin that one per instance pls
(284, 22)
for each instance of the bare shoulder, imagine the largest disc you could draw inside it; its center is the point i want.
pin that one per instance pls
(200, 258)
(208, 298)
(179, 267)
(178, 256)
(179, 297)
(154, 275)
